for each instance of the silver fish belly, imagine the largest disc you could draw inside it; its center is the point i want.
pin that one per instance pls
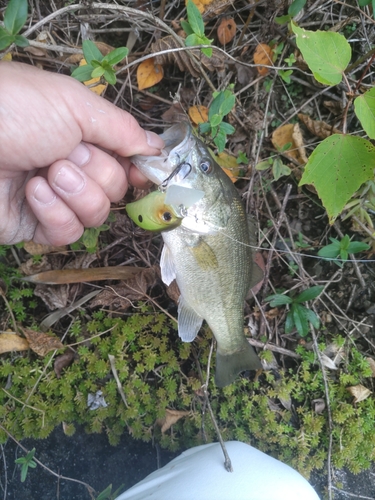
(210, 255)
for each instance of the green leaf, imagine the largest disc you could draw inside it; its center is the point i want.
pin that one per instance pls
(337, 168)
(110, 76)
(364, 107)
(215, 120)
(21, 41)
(282, 19)
(204, 127)
(192, 40)
(300, 319)
(228, 104)
(227, 128)
(91, 51)
(116, 55)
(5, 39)
(344, 254)
(330, 251)
(312, 318)
(263, 165)
(278, 299)
(357, 246)
(296, 7)
(98, 72)
(285, 75)
(216, 105)
(15, 16)
(344, 243)
(83, 73)
(208, 51)
(195, 18)
(363, 3)
(326, 53)
(289, 322)
(309, 294)
(186, 27)
(279, 169)
(220, 139)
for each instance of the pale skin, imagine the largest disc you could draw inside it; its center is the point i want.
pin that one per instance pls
(63, 156)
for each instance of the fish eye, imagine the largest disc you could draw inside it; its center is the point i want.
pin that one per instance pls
(166, 216)
(205, 167)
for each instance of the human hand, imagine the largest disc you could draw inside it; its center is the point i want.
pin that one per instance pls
(57, 169)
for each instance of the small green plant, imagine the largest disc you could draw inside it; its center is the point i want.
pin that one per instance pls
(342, 248)
(242, 158)
(278, 167)
(294, 9)
(221, 105)
(90, 237)
(15, 17)
(194, 28)
(98, 65)
(298, 316)
(107, 493)
(26, 462)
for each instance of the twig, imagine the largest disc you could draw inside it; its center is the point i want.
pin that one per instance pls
(5, 473)
(119, 386)
(273, 348)
(354, 495)
(227, 461)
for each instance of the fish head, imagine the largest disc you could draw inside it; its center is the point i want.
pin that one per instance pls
(178, 140)
(187, 163)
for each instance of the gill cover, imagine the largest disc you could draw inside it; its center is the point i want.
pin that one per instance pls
(152, 213)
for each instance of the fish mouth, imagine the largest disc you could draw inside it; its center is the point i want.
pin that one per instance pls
(170, 165)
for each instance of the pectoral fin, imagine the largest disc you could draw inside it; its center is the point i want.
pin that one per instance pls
(168, 273)
(204, 256)
(189, 322)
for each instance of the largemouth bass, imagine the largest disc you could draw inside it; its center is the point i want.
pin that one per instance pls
(210, 252)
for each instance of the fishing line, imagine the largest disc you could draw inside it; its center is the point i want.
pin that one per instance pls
(289, 252)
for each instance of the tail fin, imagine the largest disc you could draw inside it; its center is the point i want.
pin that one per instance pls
(230, 365)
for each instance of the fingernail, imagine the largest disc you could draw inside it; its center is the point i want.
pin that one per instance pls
(154, 140)
(69, 180)
(80, 155)
(43, 193)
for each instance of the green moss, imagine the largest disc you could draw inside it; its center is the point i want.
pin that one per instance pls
(157, 371)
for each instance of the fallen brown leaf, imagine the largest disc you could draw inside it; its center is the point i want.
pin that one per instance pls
(226, 30)
(171, 417)
(122, 295)
(67, 276)
(39, 249)
(290, 134)
(12, 342)
(198, 114)
(149, 73)
(359, 392)
(319, 128)
(263, 56)
(63, 361)
(182, 59)
(42, 343)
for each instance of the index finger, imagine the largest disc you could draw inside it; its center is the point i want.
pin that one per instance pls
(104, 124)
